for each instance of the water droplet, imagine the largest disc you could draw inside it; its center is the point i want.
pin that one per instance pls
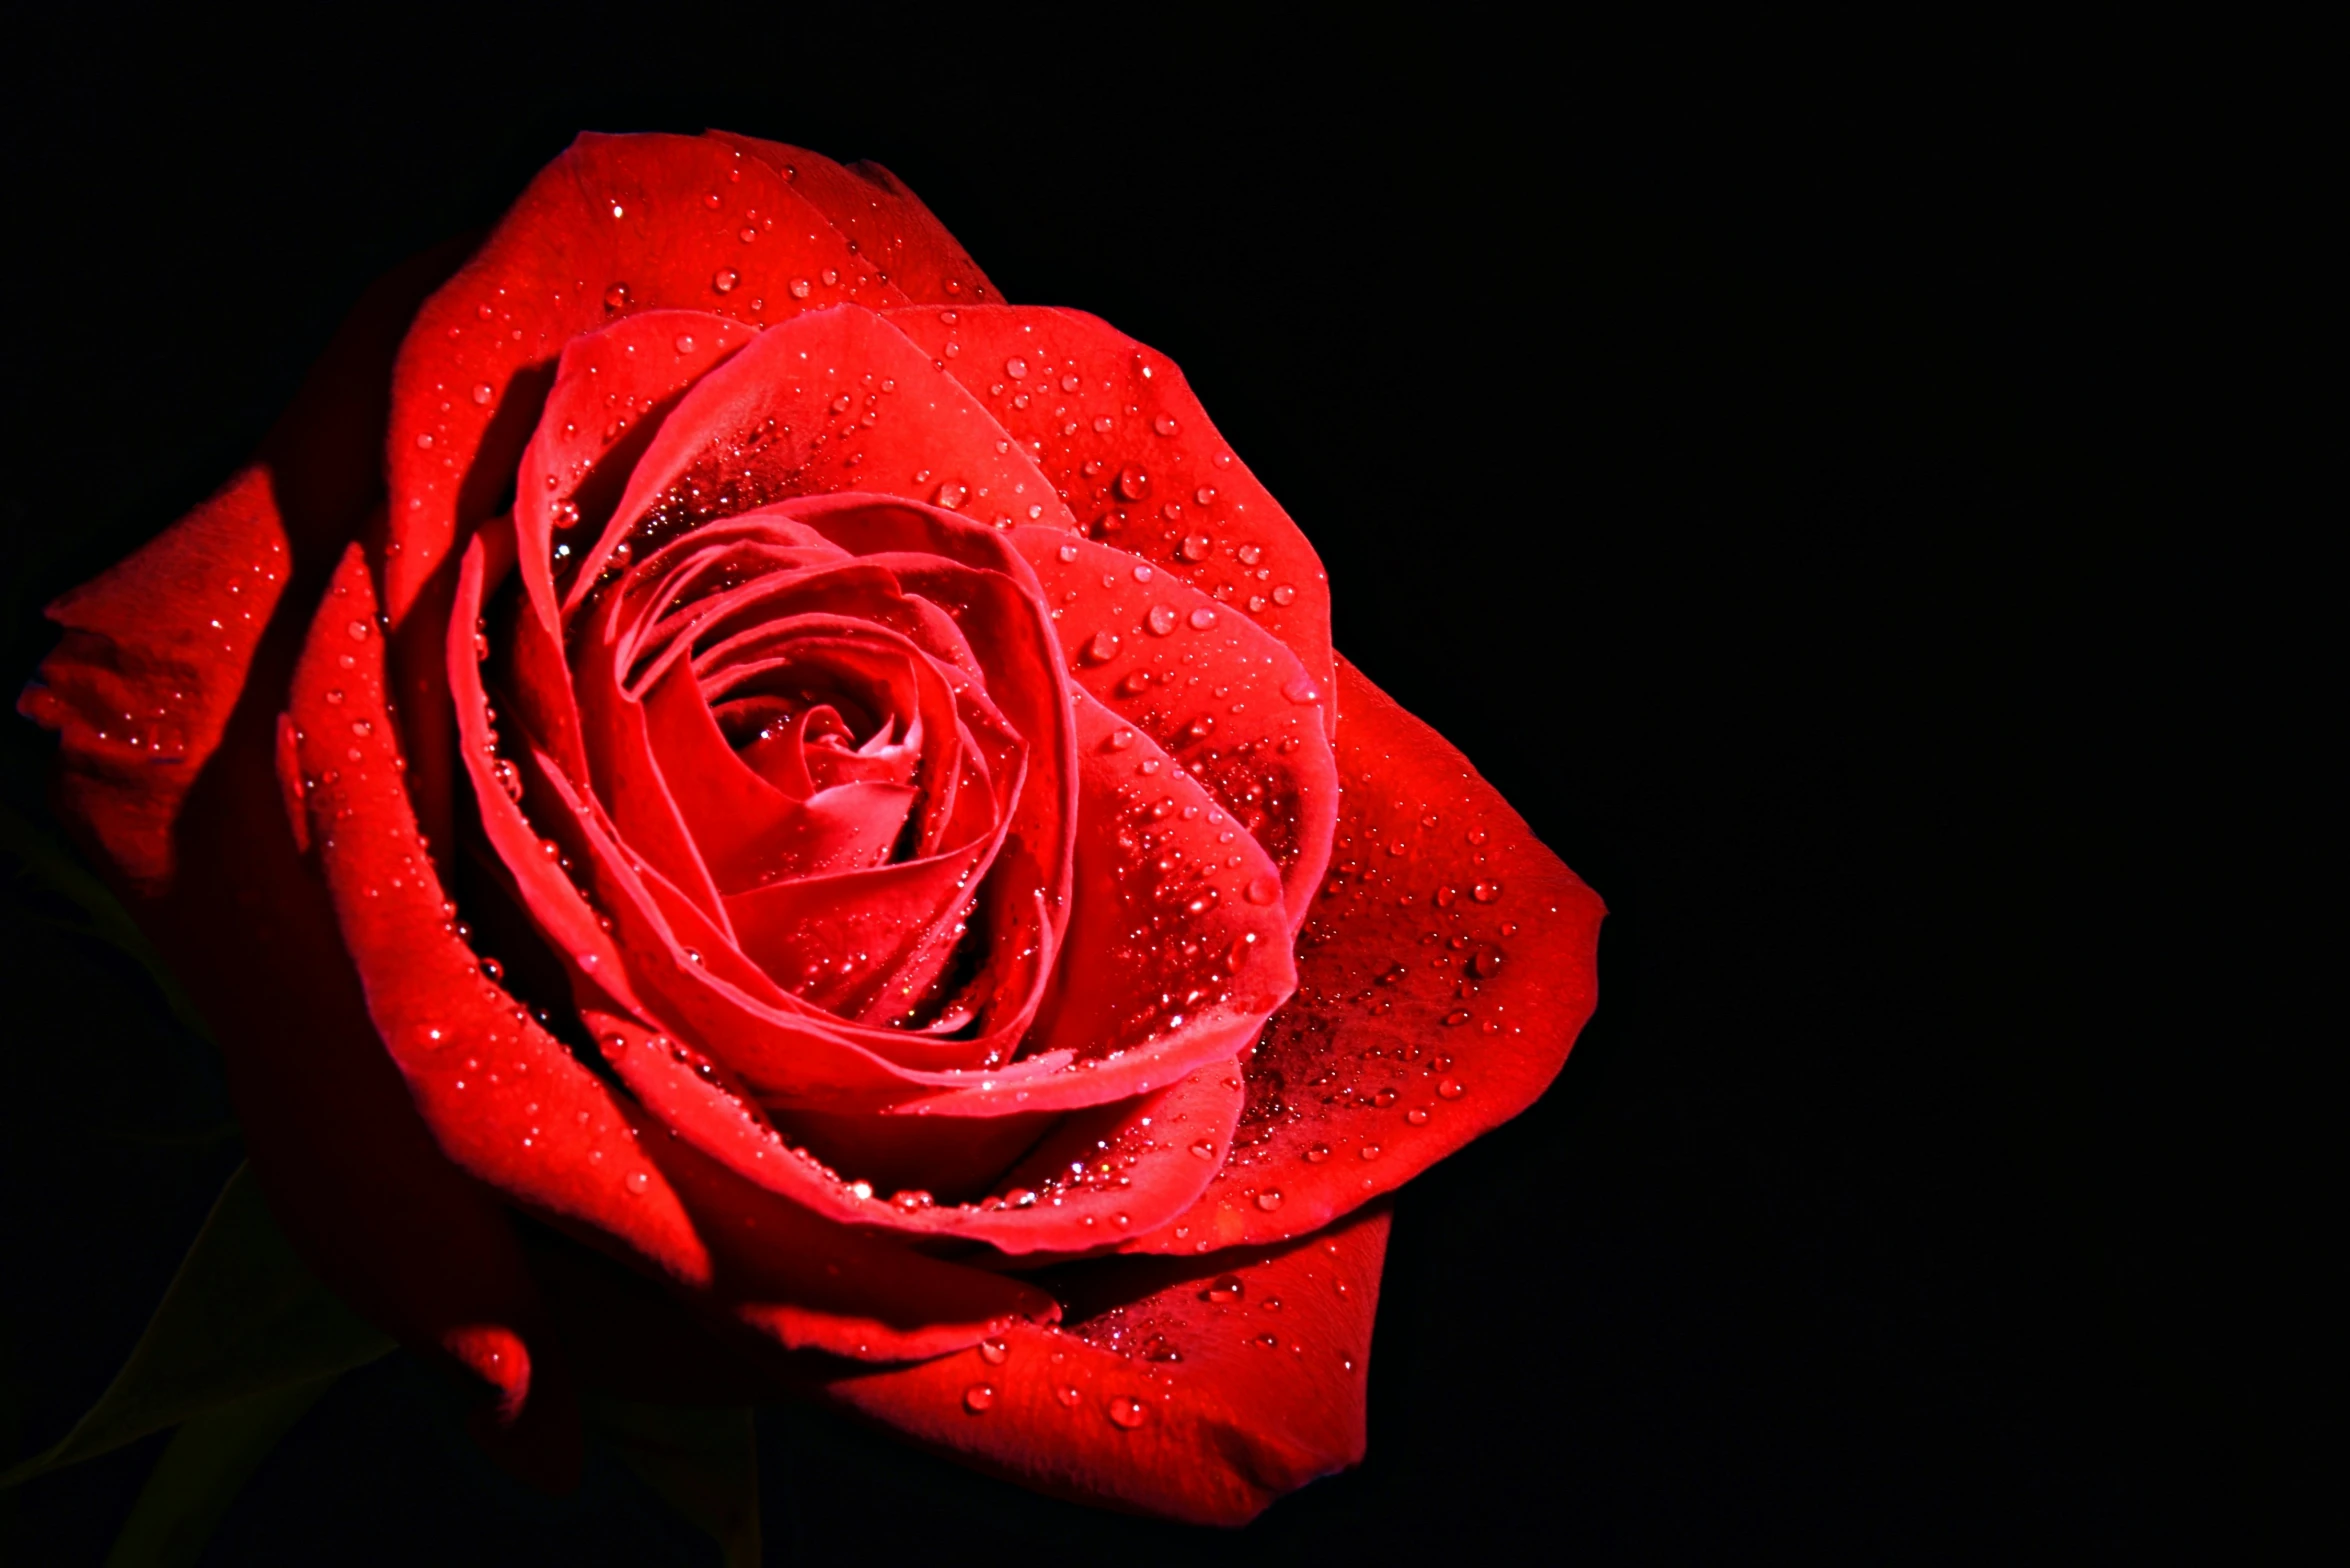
(1445, 897)
(638, 1182)
(1205, 495)
(1225, 1289)
(685, 343)
(1300, 688)
(1101, 648)
(1068, 552)
(1016, 367)
(950, 495)
(1264, 889)
(1485, 892)
(1101, 426)
(1205, 1148)
(1162, 619)
(1121, 739)
(1269, 1199)
(1417, 1116)
(1134, 483)
(1317, 1154)
(483, 392)
(362, 727)
(840, 404)
(1457, 1017)
(1127, 1412)
(747, 234)
(711, 201)
(1486, 962)
(335, 696)
(1069, 383)
(424, 440)
(724, 280)
(1202, 618)
(1165, 424)
(1370, 1151)
(1194, 547)
(1284, 594)
(994, 1352)
(979, 1398)
(616, 297)
(494, 969)
(1067, 1395)
(1477, 836)
(1451, 1088)
(1143, 573)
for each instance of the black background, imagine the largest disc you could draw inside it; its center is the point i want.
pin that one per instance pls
(1735, 460)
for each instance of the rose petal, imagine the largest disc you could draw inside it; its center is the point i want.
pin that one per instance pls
(616, 224)
(1138, 483)
(1219, 693)
(1441, 981)
(1212, 1438)
(835, 400)
(874, 208)
(213, 878)
(504, 1100)
(613, 388)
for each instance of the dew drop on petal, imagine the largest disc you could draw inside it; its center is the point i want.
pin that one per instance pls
(1202, 618)
(724, 280)
(1264, 889)
(1269, 1199)
(1451, 1088)
(1127, 1412)
(1162, 619)
(979, 1398)
(638, 1182)
(1165, 424)
(1225, 1289)
(994, 1352)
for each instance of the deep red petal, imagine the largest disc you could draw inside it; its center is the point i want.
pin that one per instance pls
(891, 227)
(1211, 1438)
(1218, 692)
(626, 213)
(1158, 480)
(616, 224)
(834, 400)
(350, 1171)
(1442, 978)
(505, 1101)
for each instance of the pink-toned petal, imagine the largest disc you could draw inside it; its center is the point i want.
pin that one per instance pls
(1218, 692)
(1133, 451)
(1200, 1389)
(1442, 979)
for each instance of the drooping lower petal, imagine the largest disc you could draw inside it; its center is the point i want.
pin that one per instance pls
(1200, 1389)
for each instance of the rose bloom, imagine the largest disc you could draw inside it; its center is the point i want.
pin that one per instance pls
(752, 818)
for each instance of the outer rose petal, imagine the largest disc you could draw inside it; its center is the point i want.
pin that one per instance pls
(1212, 1438)
(1134, 452)
(1439, 990)
(505, 1100)
(349, 1169)
(891, 227)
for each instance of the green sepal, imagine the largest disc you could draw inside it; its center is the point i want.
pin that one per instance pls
(242, 1317)
(704, 1462)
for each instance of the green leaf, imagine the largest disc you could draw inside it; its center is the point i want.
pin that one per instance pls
(703, 1462)
(206, 1464)
(43, 857)
(242, 1317)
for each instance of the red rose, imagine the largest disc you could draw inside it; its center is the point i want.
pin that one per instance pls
(895, 756)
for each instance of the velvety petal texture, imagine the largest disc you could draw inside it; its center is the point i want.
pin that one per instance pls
(971, 949)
